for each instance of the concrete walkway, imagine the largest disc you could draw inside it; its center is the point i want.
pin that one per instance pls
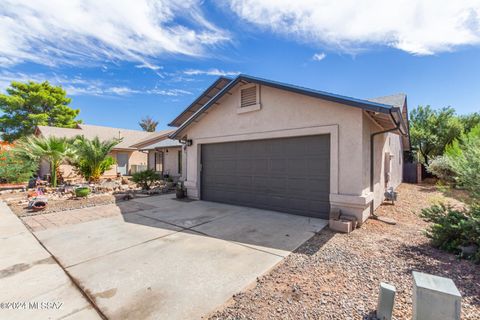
(160, 258)
(32, 284)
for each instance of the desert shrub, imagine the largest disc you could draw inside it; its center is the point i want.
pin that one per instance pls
(464, 156)
(453, 228)
(14, 168)
(441, 168)
(146, 178)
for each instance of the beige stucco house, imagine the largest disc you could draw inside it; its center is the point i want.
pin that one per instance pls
(132, 154)
(260, 143)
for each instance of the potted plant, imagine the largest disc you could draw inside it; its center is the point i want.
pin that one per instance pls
(82, 192)
(180, 192)
(169, 182)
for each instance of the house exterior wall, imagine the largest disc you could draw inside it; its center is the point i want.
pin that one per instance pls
(386, 144)
(170, 161)
(137, 158)
(151, 159)
(284, 114)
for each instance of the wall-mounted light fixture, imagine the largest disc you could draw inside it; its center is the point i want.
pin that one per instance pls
(187, 142)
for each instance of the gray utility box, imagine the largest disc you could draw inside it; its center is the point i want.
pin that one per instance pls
(435, 298)
(386, 299)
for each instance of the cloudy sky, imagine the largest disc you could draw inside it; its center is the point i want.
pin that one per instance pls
(123, 60)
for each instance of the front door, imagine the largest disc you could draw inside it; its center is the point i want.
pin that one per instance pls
(122, 163)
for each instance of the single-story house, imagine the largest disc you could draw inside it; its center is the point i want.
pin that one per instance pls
(265, 144)
(137, 151)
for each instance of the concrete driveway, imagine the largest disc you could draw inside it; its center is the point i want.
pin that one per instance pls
(161, 258)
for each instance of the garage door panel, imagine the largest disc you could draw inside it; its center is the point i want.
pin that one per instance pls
(287, 174)
(260, 166)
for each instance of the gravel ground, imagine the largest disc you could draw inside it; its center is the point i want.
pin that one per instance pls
(64, 204)
(336, 276)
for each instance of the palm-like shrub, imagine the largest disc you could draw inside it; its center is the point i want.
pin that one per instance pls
(90, 157)
(52, 149)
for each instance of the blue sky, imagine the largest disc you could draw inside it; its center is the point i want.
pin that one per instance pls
(121, 61)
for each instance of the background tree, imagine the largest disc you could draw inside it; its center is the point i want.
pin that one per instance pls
(432, 130)
(52, 149)
(27, 105)
(470, 121)
(148, 124)
(90, 157)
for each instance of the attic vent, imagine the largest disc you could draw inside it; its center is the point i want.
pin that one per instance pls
(248, 96)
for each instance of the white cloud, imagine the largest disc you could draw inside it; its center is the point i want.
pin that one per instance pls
(169, 92)
(53, 32)
(416, 26)
(210, 72)
(319, 56)
(148, 66)
(76, 86)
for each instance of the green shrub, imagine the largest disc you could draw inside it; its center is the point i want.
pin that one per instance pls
(464, 156)
(14, 168)
(452, 228)
(146, 178)
(442, 169)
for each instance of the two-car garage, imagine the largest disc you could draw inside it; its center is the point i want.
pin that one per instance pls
(284, 174)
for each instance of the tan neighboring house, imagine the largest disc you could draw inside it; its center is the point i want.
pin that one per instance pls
(260, 143)
(132, 154)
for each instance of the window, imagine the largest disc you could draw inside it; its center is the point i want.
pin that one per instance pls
(180, 161)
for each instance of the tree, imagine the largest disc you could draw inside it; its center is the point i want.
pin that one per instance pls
(27, 105)
(90, 157)
(52, 149)
(470, 121)
(15, 169)
(148, 124)
(432, 130)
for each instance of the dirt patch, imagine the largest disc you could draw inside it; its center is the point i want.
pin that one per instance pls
(337, 276)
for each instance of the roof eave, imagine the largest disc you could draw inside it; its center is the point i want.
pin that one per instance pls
(363, 104)
(211, 87)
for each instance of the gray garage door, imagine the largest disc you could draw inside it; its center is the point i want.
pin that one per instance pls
(288, 174)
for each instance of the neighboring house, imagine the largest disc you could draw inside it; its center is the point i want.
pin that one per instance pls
(265, 144)
(164, 155)
(129, 157)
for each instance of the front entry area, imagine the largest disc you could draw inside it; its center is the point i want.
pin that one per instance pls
(286, 174)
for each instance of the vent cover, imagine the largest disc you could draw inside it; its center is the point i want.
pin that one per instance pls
(248, 96)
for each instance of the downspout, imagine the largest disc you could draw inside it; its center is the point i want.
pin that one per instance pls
(372, 159)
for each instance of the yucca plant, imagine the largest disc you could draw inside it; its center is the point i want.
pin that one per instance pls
(52, 149)
(90, 157)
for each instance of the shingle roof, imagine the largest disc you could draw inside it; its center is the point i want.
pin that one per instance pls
(129, 137)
